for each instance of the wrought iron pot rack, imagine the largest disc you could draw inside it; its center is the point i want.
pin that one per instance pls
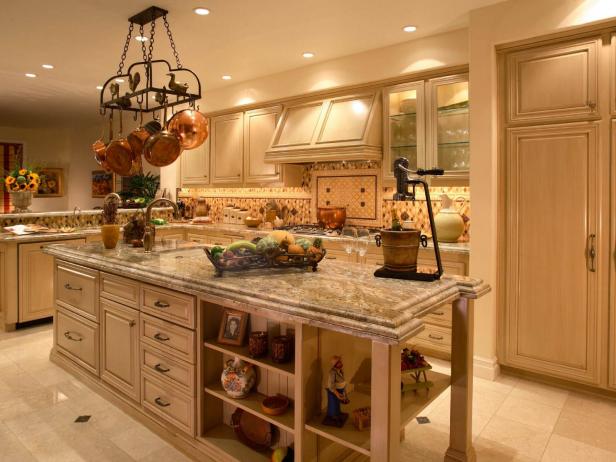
(150, 98)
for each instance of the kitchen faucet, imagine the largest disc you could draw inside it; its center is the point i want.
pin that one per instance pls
(150, 229)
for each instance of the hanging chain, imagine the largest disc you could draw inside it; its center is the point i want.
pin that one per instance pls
(145, 54)
(126, 45)
(172, 43)
(151, 46)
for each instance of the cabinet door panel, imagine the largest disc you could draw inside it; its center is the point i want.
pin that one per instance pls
(552, 295)
(227, 148)
(259, 127)
(120, 348)
(36, 278)
(299, 124)
(346, 119)
(195, 165)
(553, 83)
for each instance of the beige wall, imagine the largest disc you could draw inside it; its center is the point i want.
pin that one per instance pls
(490, 26)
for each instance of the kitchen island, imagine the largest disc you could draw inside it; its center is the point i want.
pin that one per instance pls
(142, 330)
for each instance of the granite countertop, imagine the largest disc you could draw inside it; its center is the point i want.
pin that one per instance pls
(340, 296)
(235, 230)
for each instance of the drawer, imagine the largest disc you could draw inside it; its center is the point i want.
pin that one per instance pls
(77, 338)
(434, 337)
(169, 305)
(174, 340)
(440, 316)
(119, 290)
(173, 406)
(198, 238)
(179, 374)
(76, 289)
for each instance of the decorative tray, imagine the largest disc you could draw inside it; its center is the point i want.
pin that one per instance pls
(273, 259)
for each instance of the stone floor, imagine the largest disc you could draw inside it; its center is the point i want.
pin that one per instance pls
(514, 420)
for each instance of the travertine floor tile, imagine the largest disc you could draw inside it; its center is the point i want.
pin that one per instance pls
(592, 405)
(138, 442)
(588, 428)
(524, 440)
(529, 412)
(561, 449)
(540, 393)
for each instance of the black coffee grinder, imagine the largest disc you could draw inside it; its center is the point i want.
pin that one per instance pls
(402, 172)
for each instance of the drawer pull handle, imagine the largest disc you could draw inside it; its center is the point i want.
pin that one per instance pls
(159, 304)
(162, 369)
(69, 335)
(67, 286)
(161, 403)
(435, 337)
(329, 257)
(439, 313)
(161, 337)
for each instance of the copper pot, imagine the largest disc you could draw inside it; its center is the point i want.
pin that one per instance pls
(139, 136)
(331, 217)
(162, 148)
(119, 155)
(99, 146)
(191, 127)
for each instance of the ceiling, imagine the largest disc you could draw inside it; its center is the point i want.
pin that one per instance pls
(83, 39)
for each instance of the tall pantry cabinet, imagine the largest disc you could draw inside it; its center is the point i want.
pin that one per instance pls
(556, 247)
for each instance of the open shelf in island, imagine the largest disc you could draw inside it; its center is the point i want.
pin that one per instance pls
(287, 369)
(411, 405)
(223, 438)
(252, 404)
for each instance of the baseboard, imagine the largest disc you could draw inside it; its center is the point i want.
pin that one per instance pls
(485, 368)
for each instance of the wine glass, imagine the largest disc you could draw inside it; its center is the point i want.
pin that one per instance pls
(349, 237)
(363, 241)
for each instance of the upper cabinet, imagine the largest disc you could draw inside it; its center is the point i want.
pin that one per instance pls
(259, 126)
(332, 129)
(227, 149)
(553, 84)
(448, 126)
(403, 136)
(195, 166)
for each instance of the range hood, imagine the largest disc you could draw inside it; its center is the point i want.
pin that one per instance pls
(333, 129)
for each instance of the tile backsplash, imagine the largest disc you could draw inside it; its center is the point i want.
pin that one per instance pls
(336, 183)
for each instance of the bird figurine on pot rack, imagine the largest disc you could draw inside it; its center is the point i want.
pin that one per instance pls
(180, 87)
(133, 81)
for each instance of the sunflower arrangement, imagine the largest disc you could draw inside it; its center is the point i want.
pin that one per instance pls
(22, 179)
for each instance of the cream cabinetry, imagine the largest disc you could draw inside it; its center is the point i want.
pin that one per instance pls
(554, 83)
(78, 339)
(404, 131)
(259, 126)
(120, 347)
(553, 291)
(195, 166)
(333, 129)
(36, 279)
(227, 149)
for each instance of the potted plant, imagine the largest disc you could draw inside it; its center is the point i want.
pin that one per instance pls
(400, 246)
(22, 183)
(110, 230)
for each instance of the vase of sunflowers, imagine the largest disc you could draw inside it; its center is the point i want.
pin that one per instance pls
(21, 184)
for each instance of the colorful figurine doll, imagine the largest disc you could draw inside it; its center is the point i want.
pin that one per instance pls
(336, 394)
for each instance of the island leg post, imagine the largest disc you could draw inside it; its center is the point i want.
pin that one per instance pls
(461, 427)
(385, 403)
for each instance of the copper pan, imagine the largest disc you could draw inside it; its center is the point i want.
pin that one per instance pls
(119, 155)
(331, 217)
(99, 146)
(162, 148)
(191, 127)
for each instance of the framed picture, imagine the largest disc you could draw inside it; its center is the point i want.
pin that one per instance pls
(52, 183)
(233, 327)
(102, 183)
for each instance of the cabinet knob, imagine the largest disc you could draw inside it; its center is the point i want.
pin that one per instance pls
(591, 104)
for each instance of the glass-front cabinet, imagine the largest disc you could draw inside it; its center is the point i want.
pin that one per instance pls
(404, 131)
(448, 143)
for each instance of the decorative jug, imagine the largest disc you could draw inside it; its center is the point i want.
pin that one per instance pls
(238, 378)
(449, 223)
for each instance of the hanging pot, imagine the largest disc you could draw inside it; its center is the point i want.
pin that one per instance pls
(99, 146)
(119, 155)
(191, 127)
(162, 148)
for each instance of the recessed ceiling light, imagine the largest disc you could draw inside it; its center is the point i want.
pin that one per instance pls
(226, 77)
(409, 28)
(141, 38)
(30, 74)
(119, 80)
(201, 11)
(47, 66)
(99, 87)
(308, 54)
